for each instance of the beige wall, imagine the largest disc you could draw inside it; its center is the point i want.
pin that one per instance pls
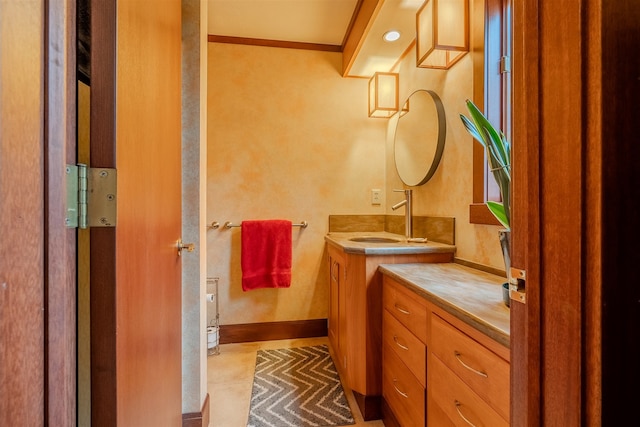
(449, 192)
(289, 138)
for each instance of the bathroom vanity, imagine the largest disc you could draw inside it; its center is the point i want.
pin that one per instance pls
(355, 315)
(446, 350)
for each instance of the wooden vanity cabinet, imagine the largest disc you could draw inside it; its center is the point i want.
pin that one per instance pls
(337, 307)
(463, 373)
(468, 380)
(355, 319)
(404, 353)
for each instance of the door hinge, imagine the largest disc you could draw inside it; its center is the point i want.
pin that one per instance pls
(517, 289)
(505, 64)
(91, 196)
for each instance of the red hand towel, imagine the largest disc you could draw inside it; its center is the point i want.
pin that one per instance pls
(266, 254)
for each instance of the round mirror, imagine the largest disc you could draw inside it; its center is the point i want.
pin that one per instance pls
(419, 138)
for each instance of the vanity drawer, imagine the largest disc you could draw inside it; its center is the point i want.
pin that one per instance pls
(405, 345)
(482, 370)
(457, 400)
(402, 391)
(406, 307)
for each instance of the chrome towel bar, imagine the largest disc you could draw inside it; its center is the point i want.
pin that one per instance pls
(302, 224)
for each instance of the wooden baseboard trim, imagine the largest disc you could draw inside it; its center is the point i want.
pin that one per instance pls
(249, 332)
(370, 406)
(388, 417)
(197, 419)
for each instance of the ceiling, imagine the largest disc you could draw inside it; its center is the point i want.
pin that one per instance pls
(307, 21)
(322, 22)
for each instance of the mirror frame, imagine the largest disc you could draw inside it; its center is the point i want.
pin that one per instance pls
(442, 134)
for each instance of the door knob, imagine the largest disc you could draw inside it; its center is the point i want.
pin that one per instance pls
(182, 246)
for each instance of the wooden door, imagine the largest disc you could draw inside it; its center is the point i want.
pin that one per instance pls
(135, 267)
(334, 307)
(37, 250)
(548, 225)
(575, 148)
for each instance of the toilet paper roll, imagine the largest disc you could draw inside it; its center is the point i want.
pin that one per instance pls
(212, 337)
(211, 297)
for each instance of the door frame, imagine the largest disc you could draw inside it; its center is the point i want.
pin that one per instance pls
(558, 211)
(59, 241)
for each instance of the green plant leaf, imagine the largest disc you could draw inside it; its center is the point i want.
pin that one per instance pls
(492, 137)
(498, 152)
(471, 128)
(497, 209)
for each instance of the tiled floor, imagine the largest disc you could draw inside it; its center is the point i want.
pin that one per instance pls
(230, 380)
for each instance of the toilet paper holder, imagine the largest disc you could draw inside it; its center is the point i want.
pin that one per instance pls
(213, 329)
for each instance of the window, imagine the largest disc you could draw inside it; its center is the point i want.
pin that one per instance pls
(496, 98)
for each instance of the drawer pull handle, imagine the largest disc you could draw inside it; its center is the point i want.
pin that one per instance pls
(395, 339)
(401, 309)
(405, 395)
(482, 374)
(458, 405)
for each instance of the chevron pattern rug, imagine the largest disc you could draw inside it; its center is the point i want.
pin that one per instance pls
(296, 387)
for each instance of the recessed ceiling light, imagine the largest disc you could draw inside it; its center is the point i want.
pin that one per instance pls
(391, 36)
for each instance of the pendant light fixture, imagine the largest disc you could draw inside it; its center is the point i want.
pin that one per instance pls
(442, 33)
(383, 95)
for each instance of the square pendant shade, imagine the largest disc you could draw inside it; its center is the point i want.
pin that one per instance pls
(442, 36)
(383, 95)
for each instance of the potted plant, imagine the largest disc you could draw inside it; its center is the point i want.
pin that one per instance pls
(498, 150)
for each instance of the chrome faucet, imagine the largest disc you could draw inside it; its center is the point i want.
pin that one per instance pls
(408, 212)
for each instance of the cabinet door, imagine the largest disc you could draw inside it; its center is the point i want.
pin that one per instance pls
(334, 303)
(337, 311)
(341, 274)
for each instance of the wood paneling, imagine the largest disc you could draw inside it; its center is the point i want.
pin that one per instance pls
(22, 287)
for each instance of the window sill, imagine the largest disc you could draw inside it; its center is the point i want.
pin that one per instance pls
(480, 214)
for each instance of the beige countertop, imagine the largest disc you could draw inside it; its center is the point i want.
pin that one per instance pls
(342, 240)
(471, 295)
